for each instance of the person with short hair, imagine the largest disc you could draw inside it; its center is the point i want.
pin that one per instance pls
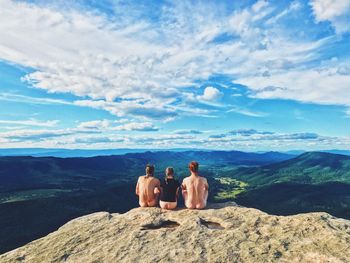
(169, 190)
(148, 188)
(195, 188)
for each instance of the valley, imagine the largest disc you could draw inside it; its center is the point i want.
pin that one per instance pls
(39, 194)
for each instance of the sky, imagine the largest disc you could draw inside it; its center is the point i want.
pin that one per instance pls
(227, 75)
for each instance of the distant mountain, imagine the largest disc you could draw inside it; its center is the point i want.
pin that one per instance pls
(335, 151)
(313, 181)
(295, 152)
(264, 157)
(39, 194)
(45, 152)
(310, 167)
(54, 152)
(212, 157)
(344, 152)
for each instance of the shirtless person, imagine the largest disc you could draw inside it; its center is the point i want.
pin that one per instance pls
(195, 189)
(148, 188)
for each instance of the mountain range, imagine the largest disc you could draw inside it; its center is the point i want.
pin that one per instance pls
(60, 152)
(39, 194)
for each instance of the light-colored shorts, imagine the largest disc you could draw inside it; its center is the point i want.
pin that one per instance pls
(167, 205)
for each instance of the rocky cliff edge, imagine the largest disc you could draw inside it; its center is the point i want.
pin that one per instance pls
(221, 233)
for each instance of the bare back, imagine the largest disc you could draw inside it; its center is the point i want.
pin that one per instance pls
(195, 190)
(146, 190)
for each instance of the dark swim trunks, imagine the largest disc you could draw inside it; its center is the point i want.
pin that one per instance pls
(169, 188)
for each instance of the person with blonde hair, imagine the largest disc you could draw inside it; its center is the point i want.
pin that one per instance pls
(169, 190)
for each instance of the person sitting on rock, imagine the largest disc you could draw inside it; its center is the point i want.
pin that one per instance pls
(148, 188)
(195, 189)
(169, 190)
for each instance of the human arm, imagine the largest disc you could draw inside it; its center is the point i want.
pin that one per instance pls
(137, 190)
(157, 187)
(183, 187)
(206, 185)
(178, 188)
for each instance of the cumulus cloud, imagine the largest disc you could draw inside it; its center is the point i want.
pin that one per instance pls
(322, 85)
(335, 11)
(136, 108)
(141, 67)
(150, 71)
(240, 139)
(211, 94)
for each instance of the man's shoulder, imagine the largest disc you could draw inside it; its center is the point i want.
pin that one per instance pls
(203, 178)
(154, 180)
(186, 179)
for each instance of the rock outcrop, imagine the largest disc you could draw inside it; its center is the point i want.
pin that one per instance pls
(223, 234)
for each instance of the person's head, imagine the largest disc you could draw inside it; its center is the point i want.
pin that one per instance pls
(169, 171)
(193, 166)
(150, 169)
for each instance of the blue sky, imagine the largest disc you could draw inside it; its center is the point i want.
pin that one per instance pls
(242, 75)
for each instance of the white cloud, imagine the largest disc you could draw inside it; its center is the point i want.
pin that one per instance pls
(136, 126)
(335, 11)
(93, 140)
(96, 124)
(259, 5)
(294, 6)
(34, 135)
(211, 94)
(247, 112)
(145, 69)
(31, 100)
(116, 125)
(188, 131)
(347, 112)
(240, 139)
(139, 108)
(322, 86)
(31, 122)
